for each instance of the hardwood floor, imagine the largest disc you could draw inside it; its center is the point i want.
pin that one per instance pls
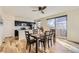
(19, 46)
(57, 48)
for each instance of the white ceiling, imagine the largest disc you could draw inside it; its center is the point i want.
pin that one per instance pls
(26, 11)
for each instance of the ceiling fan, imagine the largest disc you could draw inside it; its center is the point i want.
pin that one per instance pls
(41, 8)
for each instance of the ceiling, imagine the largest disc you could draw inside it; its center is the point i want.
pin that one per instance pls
(26, 11)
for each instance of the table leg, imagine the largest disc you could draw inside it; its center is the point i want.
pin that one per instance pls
(36, 45)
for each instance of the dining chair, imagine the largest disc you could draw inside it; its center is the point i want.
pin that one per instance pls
(30, 40)
(47, 38)
(44, 38)
(48, 35)
(52, 36)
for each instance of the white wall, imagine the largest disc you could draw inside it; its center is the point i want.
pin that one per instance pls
(73, 25)
(8, 25)
(1, 32)
(1, 26)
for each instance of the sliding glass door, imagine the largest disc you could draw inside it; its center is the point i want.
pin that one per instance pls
(60, 25)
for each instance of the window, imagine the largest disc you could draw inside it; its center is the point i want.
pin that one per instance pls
(51, 23)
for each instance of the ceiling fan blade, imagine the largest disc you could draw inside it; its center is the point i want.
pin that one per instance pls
(34, 10)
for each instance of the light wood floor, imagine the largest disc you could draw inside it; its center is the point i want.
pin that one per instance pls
(19, 46)
(57, 48)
